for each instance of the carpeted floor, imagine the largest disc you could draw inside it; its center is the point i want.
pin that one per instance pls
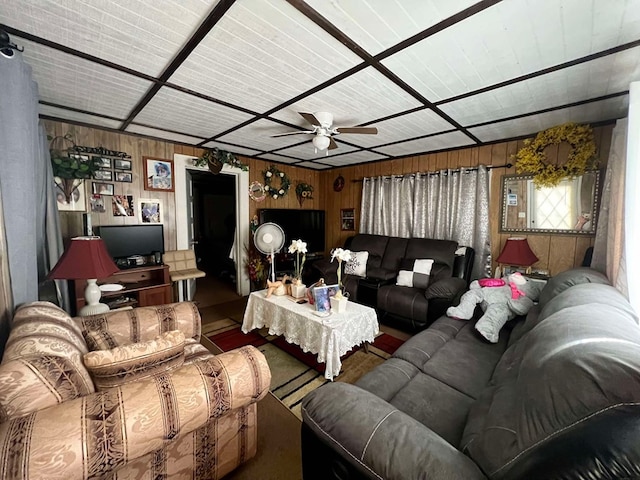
(294, 373)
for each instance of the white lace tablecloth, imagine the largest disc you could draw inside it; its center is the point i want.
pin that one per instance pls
(328, 337)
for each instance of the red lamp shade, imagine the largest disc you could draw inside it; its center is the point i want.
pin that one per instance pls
(517, 252)
(86, 257)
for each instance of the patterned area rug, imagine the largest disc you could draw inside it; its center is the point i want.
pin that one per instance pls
(295, 373)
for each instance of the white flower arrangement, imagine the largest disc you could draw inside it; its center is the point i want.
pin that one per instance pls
(298, 247)
(342, 255)
(268, 174)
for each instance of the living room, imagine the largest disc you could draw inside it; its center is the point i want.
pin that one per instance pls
(239, 77)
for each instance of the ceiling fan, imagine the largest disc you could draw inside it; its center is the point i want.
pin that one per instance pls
(323, 130)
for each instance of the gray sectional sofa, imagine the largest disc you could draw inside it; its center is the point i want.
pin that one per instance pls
(557, 397)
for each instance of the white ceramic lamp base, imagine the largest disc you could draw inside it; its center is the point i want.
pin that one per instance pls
(92, 296)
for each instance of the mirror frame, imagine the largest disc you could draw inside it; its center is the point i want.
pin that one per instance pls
(594, 214)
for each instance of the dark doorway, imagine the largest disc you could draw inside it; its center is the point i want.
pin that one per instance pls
(214, 223)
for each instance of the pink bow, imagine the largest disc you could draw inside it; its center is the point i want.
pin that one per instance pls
(515, 292)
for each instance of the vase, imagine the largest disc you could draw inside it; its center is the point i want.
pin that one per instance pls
(298, 290)
(339, 305)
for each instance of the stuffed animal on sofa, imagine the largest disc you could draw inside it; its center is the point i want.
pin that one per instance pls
(500, 299)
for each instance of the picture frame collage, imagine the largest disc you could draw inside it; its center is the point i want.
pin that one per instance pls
(111, 169)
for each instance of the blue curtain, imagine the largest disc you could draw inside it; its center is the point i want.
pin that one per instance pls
(30, 216)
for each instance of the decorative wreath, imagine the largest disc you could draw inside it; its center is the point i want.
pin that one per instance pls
(276, 192)
(256, 191)
(531, 158)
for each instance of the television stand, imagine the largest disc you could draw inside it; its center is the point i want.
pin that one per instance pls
(146, 285)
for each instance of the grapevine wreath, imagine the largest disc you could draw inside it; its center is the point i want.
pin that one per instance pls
(531, 158)
(281, 190)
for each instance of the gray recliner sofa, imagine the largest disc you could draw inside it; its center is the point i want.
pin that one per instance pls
(557, 397)
(409, 308)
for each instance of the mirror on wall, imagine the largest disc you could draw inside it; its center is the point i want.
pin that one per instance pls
(568, 208)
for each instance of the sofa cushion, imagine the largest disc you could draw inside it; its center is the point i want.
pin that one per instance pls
(35, 382)
(564, 280)
(357, 265)
(137, 361)
(42, 328)
(446, 288)
(577, 364)
(415, 273)
(145, 323)
(374, 244)
(583, 294)
(436, 375)
(403, 301)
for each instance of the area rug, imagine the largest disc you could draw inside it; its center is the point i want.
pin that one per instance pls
(295, 373)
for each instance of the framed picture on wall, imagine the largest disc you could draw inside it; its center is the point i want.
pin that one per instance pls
(100, 188)
(158, 174)
(150, 210)
(348, 219)
(120, 164)
(102, 162)
(70, 195)
(124, 177)
(104, 175)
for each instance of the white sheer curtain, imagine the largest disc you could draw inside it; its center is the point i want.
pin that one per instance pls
(450, 205)
(383, 201)
(608, 249)
(632, 196)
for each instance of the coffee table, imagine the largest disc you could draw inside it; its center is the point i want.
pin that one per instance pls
(328, 337)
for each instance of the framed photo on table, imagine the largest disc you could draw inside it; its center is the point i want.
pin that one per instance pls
(322, 295)
(158, 173)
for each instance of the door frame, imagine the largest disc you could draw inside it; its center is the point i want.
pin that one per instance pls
(241, 242)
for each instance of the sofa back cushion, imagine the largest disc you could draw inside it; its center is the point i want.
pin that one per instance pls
(115, 329)
(374, 244)
(441, 251)
(394, 254)
(565, 391)
(42, 363)
(569, 278)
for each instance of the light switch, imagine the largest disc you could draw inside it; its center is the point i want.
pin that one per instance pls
(522, 214)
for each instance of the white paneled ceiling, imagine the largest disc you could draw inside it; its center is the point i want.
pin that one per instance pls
(430, 75)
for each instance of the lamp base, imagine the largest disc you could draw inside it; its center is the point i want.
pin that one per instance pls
(94, 309)
(92, 296)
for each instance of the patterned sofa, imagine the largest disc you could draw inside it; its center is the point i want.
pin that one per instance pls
(149, 402)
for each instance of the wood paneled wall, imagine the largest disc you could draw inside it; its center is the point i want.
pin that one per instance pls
(556, 252)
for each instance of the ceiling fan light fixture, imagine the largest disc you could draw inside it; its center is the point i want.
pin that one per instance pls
(321, 142)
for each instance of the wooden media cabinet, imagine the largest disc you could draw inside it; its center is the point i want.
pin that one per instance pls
(143, 286)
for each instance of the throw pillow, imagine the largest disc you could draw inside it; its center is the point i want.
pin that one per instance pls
(137, 361)
(357, 265)
(417, 276)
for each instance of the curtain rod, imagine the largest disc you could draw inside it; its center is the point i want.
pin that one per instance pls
(470, 169)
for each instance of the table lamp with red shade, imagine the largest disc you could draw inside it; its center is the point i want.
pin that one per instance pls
(86, 258)
(517, 252)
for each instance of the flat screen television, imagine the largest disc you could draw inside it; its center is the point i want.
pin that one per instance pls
(127, 240)
(307, 225)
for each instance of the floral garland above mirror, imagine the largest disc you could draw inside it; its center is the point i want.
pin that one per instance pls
(531, 158)
(282, 189)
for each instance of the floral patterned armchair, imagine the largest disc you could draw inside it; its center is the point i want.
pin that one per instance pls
(154, 403)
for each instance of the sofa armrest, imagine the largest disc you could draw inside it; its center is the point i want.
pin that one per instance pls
(91, 436)
(371, 438)
(144, 323)
(446, 288)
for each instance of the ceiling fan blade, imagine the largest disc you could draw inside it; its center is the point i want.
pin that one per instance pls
(292, 133)
(365, 130)
(332, 144)
(310, 117)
